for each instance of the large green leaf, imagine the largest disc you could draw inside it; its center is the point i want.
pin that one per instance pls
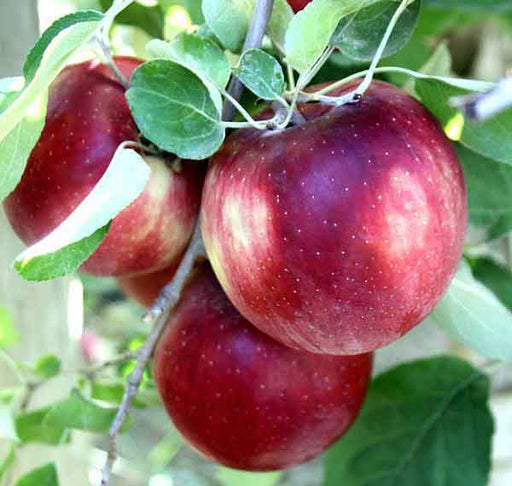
(174, 109)
(489, 210)
(42, 476)
(425, 423)
(35, 56)
(490, 138)
(78, 413)
(311, 29)
(31, 428)
(360, 34)
(472, 314)
(15, 148)
(76, 238)
(494, 276)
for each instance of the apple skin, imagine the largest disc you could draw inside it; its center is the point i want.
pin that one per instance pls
(243, 399)
(298, 5)
(339, 235)
(88, 117)
(145, 288)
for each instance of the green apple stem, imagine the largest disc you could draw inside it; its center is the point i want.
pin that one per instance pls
(109, 61)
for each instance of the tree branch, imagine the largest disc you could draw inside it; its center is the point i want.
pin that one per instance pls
(167, 300)
(171, 293)
(253, 40)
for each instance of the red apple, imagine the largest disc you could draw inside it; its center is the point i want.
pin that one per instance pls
(298, 4)
(339, 235)
(88, 117)
(146, 287)
(243, 399)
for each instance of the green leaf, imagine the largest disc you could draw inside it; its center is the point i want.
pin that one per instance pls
(359, 35)
(311, 29)
(8, 334)
(472, 314)
(232, 477)
(262, 74)
(202, 56)
(15, 148)
(149, 19)
(8, 393)
(22, 121)
(173, 108)
(423, 423)
(47, 366)
(42, 476)
(489, 210)
(7, 428)
(31, 428)
(76, 238)
(78, 413)
(490, 138)
(43, 267)
(495, 277)
(7, 462)
(35, 56)
(230, 19)
(479, 5)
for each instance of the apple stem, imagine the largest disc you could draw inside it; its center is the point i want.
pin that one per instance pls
(109, 61)
(255, 34)
(158, 313)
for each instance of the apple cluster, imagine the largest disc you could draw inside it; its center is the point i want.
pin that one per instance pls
(326, 240)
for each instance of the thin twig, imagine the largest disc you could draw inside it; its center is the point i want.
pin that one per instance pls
(253, 40)
(160, 312)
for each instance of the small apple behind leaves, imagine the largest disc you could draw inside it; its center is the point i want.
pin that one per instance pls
(146, 287)
(298, 5)
(87, 119)
(340, 234)
(243, 399)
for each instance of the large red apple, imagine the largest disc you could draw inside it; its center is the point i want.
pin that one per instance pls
(298, 4)
(244, 399)
(88, 117)
(339, 235)
(145, 288)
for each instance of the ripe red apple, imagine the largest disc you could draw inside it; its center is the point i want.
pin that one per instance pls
(298, 4)
(88, 117)
(339, 235)
(145, 288)
(243, 399)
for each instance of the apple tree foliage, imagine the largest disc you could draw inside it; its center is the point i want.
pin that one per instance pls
(424, 423)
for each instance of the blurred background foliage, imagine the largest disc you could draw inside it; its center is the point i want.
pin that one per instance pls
(480, 44)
